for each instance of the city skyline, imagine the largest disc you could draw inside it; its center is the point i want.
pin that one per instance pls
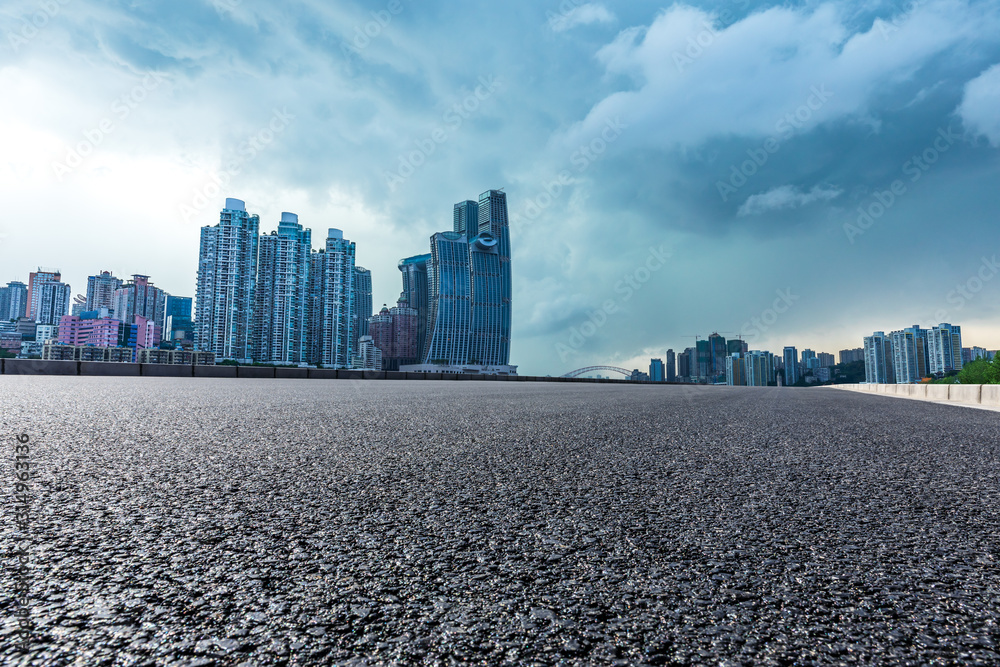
(794, 181)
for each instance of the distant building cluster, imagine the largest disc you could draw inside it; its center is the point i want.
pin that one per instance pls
(907, 356)
(115, 321)
(272, 299)
(715, 360)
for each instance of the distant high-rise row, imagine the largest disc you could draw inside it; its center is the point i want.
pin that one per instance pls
(272, 299)
(909, 355)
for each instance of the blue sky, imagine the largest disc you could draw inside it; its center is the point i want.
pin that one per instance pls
(803, 173)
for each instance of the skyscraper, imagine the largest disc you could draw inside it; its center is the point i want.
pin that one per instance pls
(449, 314)
(101, 291)
(416, 295)
(178, 325)
(493, 221)
(879, 359)
(656, 372)
(362, 305)
(48, 296)
(467, 219)
(227, 277)
(944, 343)
(139, 297)
(671, 366)
(703, 366)
(13, 301)
(904, 357)
(280, 320)
(760, 369)
(331, 302)
(736, 370)
(791, 363)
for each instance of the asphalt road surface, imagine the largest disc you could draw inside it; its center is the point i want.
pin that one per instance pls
(231, 522)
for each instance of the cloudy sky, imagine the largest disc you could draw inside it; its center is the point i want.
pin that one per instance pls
(803, 172)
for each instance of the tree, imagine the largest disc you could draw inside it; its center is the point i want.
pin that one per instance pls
(975, 372)
(992, 372)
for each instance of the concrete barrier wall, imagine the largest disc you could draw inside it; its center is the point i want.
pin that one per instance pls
(987, 395)
(991, 395)
(167, 370)
(36, 367)
(108, 369)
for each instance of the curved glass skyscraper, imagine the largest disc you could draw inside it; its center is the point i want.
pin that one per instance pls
(468, 287)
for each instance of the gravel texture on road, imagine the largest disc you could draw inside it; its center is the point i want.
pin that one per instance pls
(198, 522)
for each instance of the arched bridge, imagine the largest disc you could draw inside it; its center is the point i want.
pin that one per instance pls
(591, 369)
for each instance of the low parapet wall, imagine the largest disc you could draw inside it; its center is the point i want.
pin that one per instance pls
(982, 395)
(111, 369)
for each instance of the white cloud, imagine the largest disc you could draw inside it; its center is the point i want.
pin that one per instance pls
(582, 15)
(697, 76)
(785, 197)
(980, 108)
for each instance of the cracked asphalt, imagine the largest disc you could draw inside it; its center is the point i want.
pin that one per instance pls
(228, 522)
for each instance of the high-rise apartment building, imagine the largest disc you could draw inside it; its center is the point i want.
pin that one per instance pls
(791, 365)
(826, 360)
(281, 319)
(48, 297)
(944, 343)
(760, 370)
(227, 277)
(879, 359)
(394, 332)
(331, 297)
(852, 356)
(362, 304)
(671, 370)
(13, 301)
(101, 290)
(906, 369)
(139, 297)
(736, 370)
